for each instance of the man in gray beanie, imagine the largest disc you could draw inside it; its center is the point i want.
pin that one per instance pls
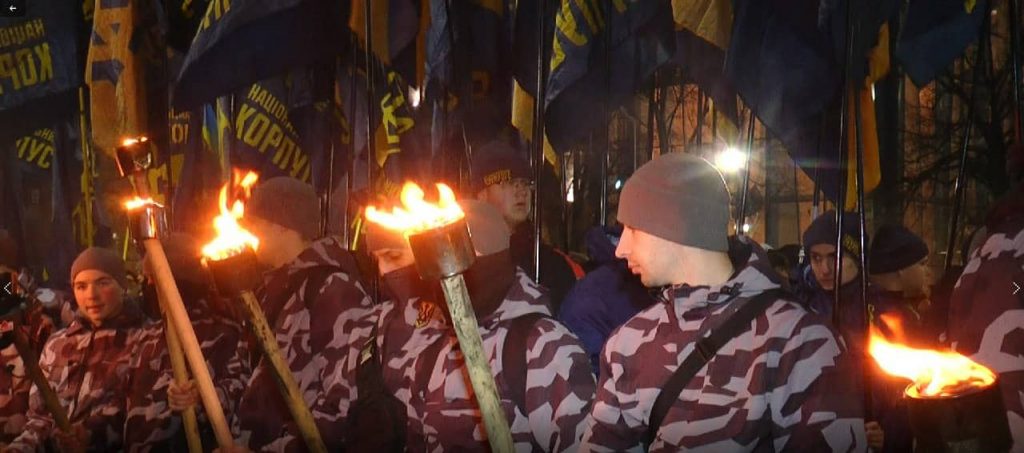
(91, 363)
(314, 302)
(759, 368)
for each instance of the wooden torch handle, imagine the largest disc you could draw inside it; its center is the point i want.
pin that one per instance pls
(286, 382)
(179, 317)
(466, 329)
(180, 370)
(35, 374)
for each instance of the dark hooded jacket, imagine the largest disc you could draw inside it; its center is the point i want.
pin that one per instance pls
(605, 298)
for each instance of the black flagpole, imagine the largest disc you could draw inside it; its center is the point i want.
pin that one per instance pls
(538, 134)
(961, 176)
(371, 142)
(1015, 72)
(742, 214)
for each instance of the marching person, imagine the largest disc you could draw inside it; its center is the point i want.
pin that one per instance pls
(987, 304)
(902, 283)
(150, 422)
(89, 363)
(540, 368)
(779, 378)
(314, 303)
(502, 178)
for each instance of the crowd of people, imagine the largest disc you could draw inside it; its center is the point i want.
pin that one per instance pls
(674, 336)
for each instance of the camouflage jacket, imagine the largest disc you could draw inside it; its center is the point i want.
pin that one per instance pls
(442, 414)
(150, 423)
(987, 318)
(14, 381)
(91, 371)
(778, 387)
(319, 338)
(14, 390)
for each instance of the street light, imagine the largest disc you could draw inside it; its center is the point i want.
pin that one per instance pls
(731, 160)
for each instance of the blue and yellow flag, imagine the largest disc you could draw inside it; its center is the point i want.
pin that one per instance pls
(39, 67)
(238, 44)
(602, 53)
(935, 33)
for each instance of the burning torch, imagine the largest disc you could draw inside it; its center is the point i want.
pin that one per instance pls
(439, 238)
(13, 305)
(148, 224)
(231, 259)
(955, 404)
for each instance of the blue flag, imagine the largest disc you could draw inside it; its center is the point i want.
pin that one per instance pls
(935, 33)
(603, 52)
(241, 43)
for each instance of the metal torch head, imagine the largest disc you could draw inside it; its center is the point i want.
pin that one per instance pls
(972, 421)
(135, 155)
(443, 252)
(235, 274)
(148, 221)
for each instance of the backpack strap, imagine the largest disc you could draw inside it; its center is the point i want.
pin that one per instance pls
(704, 350)
(513, 356)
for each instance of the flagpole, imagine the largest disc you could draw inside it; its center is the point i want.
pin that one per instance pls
(1015, 71)
(961, 176)
(742, 214)
(538, 134)
(371, 142)
(699, 135)
(86, 181)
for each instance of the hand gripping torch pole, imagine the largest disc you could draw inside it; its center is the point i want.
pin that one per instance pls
(445, 253)
(148, 222)
(235, 277)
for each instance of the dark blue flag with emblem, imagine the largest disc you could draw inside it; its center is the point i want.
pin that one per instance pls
(469, 69)
(602, 53)
(238, 44)
(935, 33)
(783, 66)
(39, 66)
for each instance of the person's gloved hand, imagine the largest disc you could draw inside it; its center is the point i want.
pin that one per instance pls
(184, 396)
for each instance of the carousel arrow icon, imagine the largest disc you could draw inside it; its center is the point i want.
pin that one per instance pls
(1016, 288)
(7, 288)
(12, 8)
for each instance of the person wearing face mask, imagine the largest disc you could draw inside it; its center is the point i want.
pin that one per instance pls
(726, 360)
(89, 364)
(541, 370)
(154, 404)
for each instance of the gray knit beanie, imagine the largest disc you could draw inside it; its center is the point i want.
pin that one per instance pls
(103, 260)
(679, 197)
(287, 202)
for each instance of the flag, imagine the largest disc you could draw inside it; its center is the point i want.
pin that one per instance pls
(39, 67)
(702, 37)
(238, 44)
(784, 67)
(935, 33)
(41, 177)
(125, 73)
(524, 68)
(602, 53)
(877, 66)
(398, 29)
(468, 70)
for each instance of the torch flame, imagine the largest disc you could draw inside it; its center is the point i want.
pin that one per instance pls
(133, 140)
(417, 215)
(934, 373)
(231, 238)
(138, 202)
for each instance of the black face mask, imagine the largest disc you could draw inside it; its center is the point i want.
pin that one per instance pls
(404, 284)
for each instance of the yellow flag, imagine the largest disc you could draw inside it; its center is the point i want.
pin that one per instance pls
(878, 67)
(114, 75)
(522, 120)
(711, 20)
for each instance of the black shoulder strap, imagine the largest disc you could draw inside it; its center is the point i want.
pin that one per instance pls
(705, 349)
(513, 356)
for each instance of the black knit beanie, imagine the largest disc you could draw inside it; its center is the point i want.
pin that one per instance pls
(679, 197)
(823, 231)
(895, 248)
